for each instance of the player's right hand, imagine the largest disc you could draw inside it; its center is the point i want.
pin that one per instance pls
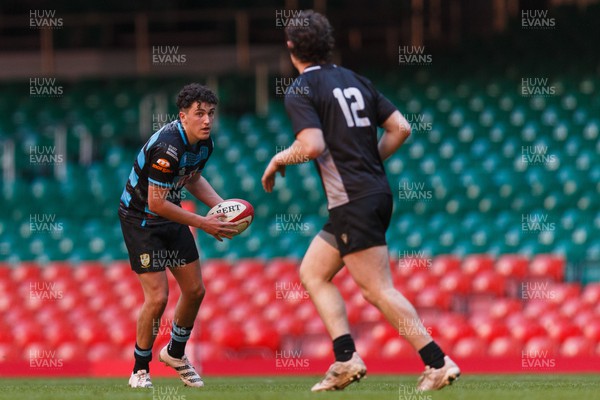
(216, 226)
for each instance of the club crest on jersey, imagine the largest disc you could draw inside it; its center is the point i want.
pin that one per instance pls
(145, 260)
(344, 238)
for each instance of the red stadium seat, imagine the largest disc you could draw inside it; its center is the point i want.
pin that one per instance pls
(367, 347)
(512, 266)
(591, 293)
(89, 270)
(246, 268)
(118, 271)
(26, 272)
(561, 292)
(502, 308)
(523, 329)
(456, 283)
(577, 346)
(433, 297)
(105, 351)
(72, 351)
(591, 330)
(488, 328)
(382, 332)
(574, 306)
(505, 346)
(540, 346)
(316, 346)
(548, 266)
(289, 325)
(57, 270)
(558, 327)
(489, 282)
(226, 334)
(214, 268)
(420, 280)
(279, 267)
(260, 334)
(443, 265)
(397, 348)
(470, 347)
(454, 327)
(477, 263)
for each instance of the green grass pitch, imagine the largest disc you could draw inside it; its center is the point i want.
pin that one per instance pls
(380, 387)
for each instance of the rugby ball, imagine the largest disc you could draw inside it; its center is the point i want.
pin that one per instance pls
(236, 210)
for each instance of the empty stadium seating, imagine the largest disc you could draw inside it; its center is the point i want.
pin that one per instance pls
(255, 308)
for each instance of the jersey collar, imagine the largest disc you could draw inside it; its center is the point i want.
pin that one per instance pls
(311, 68)
(185, 141)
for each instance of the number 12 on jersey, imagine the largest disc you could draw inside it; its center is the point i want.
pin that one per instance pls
(357, 103)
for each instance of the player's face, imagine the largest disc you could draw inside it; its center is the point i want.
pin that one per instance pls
(197, 120)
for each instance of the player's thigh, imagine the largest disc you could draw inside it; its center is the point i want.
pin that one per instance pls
(189, 278)
(155, 286)
(322, 259)
(370, 268)
(184, 262)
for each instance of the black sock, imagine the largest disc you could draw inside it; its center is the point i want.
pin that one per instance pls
(432, 355)
(343, 347)
(142, 358)
(179, 338)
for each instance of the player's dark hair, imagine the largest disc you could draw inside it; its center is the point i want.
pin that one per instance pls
(311, 37)
(195, 92)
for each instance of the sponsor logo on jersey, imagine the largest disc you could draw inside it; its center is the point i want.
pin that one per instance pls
(162, 168)
(163, 163)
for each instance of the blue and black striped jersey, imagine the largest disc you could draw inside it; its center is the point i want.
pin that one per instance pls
(167, 160)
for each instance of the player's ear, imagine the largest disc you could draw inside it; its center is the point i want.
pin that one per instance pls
(289, 44)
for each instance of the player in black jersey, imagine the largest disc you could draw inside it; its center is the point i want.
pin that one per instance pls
(335, 114)
(156, 229)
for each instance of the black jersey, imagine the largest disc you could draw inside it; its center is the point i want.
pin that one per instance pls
(167, 160)
(348, 109)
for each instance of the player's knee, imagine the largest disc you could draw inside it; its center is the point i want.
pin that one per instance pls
(158, 300)
(371, 295)
(196, 293)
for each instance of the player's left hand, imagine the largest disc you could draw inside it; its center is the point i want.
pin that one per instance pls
(268, 178)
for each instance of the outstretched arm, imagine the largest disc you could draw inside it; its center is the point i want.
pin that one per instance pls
(309, 144)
